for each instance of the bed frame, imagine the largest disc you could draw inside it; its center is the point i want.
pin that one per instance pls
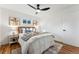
(25, 29)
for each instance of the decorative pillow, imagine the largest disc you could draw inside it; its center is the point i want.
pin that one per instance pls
(26, 36)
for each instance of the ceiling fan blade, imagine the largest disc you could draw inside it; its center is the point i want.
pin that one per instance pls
(44, 9)
(38, 5)
(31, 6)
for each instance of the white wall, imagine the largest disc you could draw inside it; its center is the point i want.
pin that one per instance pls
(71, 24)
(67, 19)
(0, 18)
(4, 21)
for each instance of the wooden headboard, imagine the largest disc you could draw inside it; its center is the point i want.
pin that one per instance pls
(25, 29)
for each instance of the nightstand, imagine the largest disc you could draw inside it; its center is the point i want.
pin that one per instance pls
(13, 39)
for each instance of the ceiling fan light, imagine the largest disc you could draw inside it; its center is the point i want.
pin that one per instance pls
(38, 10)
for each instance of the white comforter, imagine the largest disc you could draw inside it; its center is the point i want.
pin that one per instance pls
(37, 44)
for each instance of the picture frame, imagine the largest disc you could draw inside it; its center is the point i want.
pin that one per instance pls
(27, 21)
(24, 21)
(13, 21)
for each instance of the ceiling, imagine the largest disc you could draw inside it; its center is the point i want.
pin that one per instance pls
(24, 8)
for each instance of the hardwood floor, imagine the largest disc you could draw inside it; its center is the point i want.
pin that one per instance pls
(66, 49)
(7, 49)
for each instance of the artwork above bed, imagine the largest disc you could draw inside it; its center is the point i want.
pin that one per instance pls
(27, 21)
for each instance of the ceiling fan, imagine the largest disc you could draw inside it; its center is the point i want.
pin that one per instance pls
(38, 9)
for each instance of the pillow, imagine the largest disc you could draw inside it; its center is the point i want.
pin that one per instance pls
(26, 36)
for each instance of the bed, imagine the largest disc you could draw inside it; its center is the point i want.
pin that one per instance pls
(38, 43)
(42, 43)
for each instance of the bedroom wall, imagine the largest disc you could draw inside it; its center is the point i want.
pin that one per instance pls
(71, 24)
(0, 21)
(4, 20)
(67, 19)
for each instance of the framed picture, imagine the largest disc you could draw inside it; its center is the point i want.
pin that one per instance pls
(13, 21)
(29, 21)
(35, 22)
(26, 21)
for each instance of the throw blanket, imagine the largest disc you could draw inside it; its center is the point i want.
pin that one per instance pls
(37, 44)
